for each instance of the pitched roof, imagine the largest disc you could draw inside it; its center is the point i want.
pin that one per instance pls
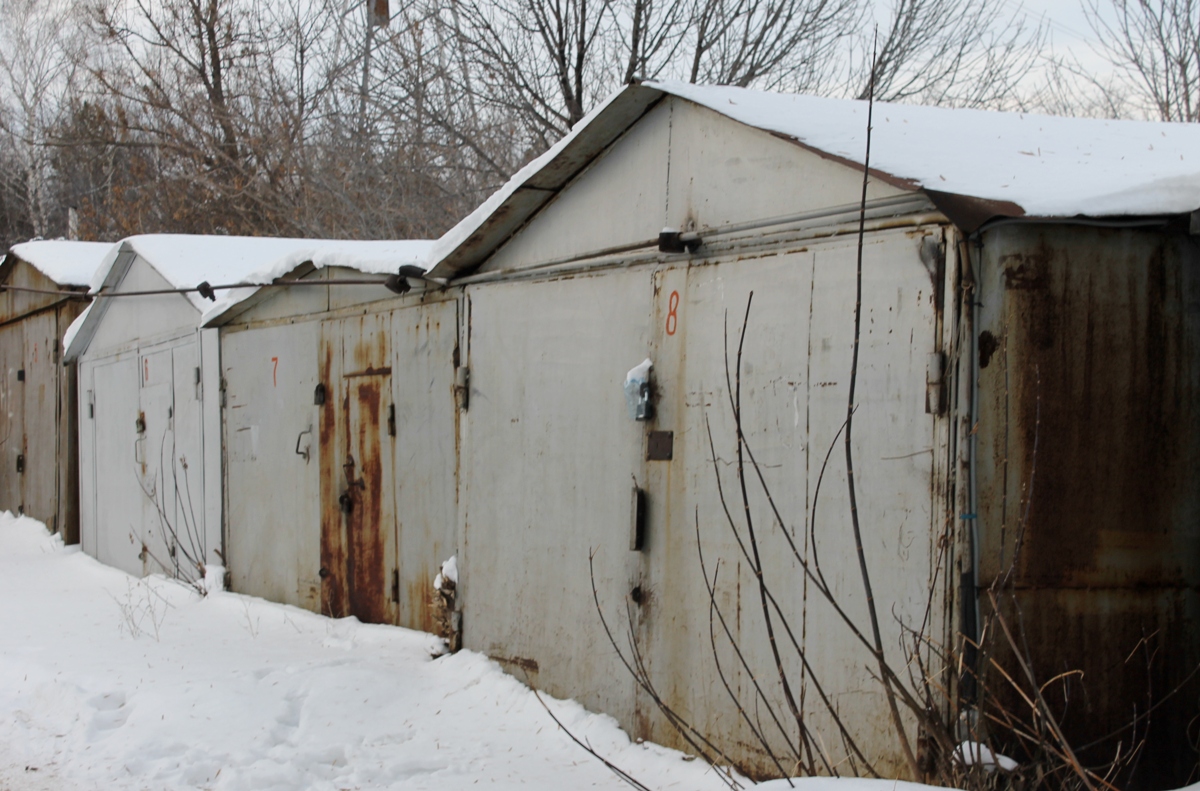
(184, 261)
(371, 257)
(1008, 164)
(67, 263)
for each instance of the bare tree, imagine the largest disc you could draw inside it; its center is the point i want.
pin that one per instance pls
(1155, 47)
(39, 55)
(792, 44)
(962, 53)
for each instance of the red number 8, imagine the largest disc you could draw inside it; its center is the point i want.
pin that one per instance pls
(672, 316)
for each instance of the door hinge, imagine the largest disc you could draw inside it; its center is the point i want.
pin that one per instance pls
(396, 585)
(391, 420)
(20, 462)
(462, 386)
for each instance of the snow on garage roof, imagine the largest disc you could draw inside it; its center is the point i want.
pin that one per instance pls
(1047, 165)
(375, 258)
(184, 261)
(1021, 164)
(65, 262)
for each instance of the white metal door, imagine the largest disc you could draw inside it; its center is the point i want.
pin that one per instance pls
(195, 539)
(426, 478)
(116, 523)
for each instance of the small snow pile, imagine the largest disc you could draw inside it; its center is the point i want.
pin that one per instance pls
(444, 601)
(449, 574)
(214, 579)
(978, 754)
(24, 535)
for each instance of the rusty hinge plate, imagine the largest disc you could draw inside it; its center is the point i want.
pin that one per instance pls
(660, 446)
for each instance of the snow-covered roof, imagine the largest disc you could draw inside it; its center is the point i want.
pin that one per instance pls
(184, 261)
(1033, 165)
(1049, 166)
(65, 262)
(374, 258)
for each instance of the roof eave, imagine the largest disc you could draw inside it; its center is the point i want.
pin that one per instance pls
(116, 273)
(544, 184)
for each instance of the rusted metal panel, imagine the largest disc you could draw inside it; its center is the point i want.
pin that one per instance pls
(388, 461)
(358, 519)
(1090, 452)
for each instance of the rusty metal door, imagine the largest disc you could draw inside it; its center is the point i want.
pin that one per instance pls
(358, 523)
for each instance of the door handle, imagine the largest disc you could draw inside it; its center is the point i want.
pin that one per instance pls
(300, 436)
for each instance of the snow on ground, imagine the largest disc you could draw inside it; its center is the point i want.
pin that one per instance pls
(108, 682)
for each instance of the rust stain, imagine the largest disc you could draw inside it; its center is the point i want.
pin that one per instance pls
(333, 544)
(419, 605)
(367, 562)
(356, 554)
(526, 664)
(1092, 403)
